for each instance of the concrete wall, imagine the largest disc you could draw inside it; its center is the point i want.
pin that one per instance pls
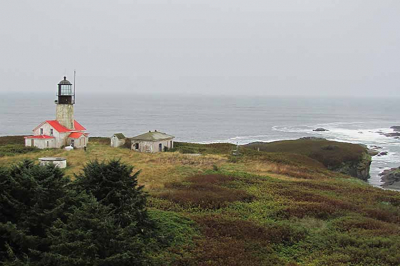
(152, 146)
(60, 164)
(41, 143)
(115, 142)
(79, 143)
(65, 115)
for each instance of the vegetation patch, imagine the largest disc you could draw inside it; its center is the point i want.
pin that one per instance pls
(204, 192)
(233, 242)
(213, 148)
(330, 153)
(365, 225)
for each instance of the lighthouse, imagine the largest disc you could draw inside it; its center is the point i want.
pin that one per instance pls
(63, 131)
(65, 104)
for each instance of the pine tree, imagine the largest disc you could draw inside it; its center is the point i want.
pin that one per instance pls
(92, 236)
(114, 185)
(31, 199)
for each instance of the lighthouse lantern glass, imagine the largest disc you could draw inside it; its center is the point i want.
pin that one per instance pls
(66, 90)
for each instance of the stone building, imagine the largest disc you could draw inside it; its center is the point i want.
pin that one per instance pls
(152, 142)
(64, 130)
(117, 140)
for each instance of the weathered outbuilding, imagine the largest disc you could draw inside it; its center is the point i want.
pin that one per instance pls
(152, 142)
(117, 140)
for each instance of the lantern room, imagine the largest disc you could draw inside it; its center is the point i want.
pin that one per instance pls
(65, 92)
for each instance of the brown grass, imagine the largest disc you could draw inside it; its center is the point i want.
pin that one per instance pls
(204, 192)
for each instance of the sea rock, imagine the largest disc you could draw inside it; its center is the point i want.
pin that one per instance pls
(373, 152)
(383, 153)
(320, 129)
(391, 178)
(395, 128)
(376, 147)
(395, 134)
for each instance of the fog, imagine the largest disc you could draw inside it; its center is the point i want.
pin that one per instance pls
(211, 47)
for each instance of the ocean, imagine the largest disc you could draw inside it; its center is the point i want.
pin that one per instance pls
(233, 119)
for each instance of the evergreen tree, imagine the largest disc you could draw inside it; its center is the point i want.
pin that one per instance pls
(114, 185)
(32, 197)
(92, 236)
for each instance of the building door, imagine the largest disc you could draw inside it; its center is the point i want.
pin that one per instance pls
(160, 147)
(32, 143)
(72, 142)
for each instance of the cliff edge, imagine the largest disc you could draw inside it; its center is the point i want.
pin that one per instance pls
(346, 158)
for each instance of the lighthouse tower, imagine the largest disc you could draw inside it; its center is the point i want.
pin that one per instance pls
(65, 104)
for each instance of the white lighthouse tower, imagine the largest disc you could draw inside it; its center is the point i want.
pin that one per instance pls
(65, 104)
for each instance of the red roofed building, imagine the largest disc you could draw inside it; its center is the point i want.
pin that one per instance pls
(64, 130)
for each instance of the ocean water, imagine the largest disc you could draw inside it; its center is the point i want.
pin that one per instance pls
(206, 119)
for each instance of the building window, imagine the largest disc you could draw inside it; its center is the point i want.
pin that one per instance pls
(41, 131)
(51, 132)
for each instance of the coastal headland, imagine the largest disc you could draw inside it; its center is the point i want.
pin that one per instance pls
(297, 202)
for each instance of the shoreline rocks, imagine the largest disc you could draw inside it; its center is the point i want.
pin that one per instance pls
(391, 178)
(395, 128)
(320, 129)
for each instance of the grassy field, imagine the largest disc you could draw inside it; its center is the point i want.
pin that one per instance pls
(257, 208)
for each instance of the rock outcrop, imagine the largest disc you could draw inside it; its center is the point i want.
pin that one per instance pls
(391, 178)
(359, 169)
(320, 129)
(395, 128)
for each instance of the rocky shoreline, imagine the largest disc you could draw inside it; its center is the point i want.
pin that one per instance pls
(391, 178)
(395, 134)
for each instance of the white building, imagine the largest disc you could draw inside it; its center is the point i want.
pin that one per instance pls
(117, 140)
(64, 130)
(152, 142)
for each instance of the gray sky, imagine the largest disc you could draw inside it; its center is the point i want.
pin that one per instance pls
(226, 47)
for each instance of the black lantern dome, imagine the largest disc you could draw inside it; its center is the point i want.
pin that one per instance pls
(65, 92)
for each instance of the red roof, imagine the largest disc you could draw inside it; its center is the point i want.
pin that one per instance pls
(78, 126)
(60, 128)
(39, 137)
(57, 126)
(75, 135)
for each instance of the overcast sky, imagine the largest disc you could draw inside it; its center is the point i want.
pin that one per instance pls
(226, 47)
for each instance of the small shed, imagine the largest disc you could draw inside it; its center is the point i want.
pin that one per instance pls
(152, 142)
(117, 140)
(57, 161)
(78, 140)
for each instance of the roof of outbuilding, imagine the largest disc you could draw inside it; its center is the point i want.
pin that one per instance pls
(64, 82)
(153, 136)
(119, 135)
(75, 135)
